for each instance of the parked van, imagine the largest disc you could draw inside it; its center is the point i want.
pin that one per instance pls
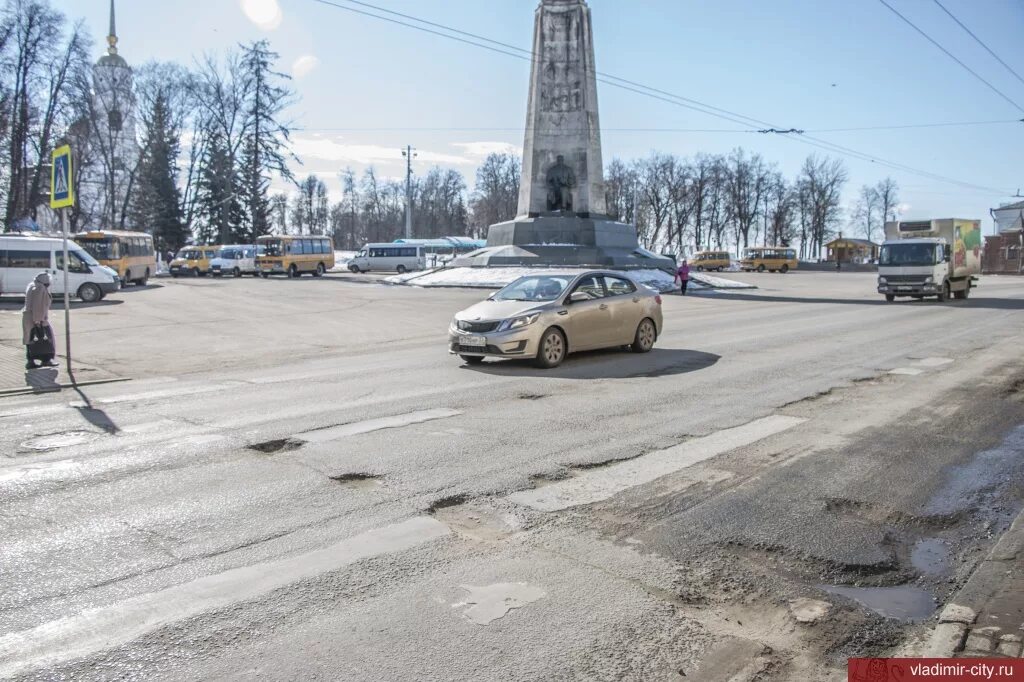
(193, 260)
(235, 261)
(711, 260)
(22, 257)
(398, 258)
(770, 258)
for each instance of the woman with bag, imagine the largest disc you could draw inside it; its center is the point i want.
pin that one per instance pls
(35, 323)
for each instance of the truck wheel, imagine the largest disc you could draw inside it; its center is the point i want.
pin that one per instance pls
(944, 295)
(760, 268)
(962, 295)
(890, 298)
(784, 269)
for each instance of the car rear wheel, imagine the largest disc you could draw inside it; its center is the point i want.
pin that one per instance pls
(320, 270)
(236, 273)
(354, 269)
(293, 272)
(890, 298)
(401, 269)
(646, 335)
(784, 269)
(760, 268)
(472, 359)
(89, 293)
(552, 350)
(145, 279)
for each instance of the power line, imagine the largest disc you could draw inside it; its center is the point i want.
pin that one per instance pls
(979, 41)
(507, 129)
(638, 88)
(951, 55)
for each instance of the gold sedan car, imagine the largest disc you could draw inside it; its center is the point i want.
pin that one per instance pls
(547, 316)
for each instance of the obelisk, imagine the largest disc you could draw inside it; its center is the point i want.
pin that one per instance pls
(562, 115)
(562, 217)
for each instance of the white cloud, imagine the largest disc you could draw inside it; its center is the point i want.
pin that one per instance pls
(304, 65)
(311, 149)
(484, 149)
(264, 13)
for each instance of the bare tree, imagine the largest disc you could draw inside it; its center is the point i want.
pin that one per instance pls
(867, 215)
(888, 198)
(747, 181)
(495, 198)
(822, 181)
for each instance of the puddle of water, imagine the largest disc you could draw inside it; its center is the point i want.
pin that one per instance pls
(931, 557)
(989, 469)
(904, 603)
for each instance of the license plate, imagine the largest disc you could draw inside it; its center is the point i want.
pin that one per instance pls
(479, 341)
(904, 288)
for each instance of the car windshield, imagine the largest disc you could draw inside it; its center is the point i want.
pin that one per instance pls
(227, 254)
(536, 288)
(190, 254)
(271, 248)
(908, 254)
(85, 257)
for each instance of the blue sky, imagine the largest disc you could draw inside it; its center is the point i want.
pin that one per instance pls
(368, 87)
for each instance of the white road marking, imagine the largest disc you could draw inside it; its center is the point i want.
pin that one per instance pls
(934, 362)
(106, 627)
(601, 484)
(159, 395)
(356, 428)
(906, 371)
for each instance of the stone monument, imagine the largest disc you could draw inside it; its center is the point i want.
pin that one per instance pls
(562, 217)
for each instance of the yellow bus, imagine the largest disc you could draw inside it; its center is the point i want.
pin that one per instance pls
(711, 260)
(770, 258)
(294, 256)
(130, 254)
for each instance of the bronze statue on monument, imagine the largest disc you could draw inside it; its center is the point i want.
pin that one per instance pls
(561, 181)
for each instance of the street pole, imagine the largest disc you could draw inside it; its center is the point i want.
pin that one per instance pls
(408, 154)
(67, 294)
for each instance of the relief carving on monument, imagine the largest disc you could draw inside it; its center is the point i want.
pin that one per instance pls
(560, 181)
(561, 85)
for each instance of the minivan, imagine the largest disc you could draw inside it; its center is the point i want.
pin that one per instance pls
(235, 261)
(23, 256)
(400, 258)
(711, 260)
(194, 261)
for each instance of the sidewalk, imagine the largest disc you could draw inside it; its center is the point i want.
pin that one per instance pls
(986, 618)
(15, 380)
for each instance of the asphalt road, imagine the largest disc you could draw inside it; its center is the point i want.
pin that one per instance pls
(299, 483)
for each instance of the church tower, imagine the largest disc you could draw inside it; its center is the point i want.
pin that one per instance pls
(113, 147)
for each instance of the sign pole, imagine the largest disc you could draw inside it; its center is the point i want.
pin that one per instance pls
(62, 197)
(67, 294)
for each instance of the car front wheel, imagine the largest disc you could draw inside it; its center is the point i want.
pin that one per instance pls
(646, 335)
(472, 359)
(89, 293)
(552, 350)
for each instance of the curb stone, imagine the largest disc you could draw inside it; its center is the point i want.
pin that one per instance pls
(954, 632)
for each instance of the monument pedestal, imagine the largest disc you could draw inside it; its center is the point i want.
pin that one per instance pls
(554, 239)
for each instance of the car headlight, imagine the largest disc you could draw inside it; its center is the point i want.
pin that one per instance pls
(883, 281)
(517, 322)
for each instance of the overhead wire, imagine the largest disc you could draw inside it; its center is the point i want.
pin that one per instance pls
(639, 88)
(979, 41)
(952, 56)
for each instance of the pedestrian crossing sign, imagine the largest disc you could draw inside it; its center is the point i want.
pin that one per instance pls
(62, 193)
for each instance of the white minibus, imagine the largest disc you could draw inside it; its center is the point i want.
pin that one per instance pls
(23, 256)
(398, 258)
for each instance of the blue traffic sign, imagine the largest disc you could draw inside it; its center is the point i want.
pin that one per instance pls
(62, 193)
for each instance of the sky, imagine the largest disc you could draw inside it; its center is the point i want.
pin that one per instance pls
(367, 87)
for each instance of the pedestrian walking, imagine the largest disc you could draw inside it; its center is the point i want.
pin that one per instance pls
(683, 276)
(35, 321)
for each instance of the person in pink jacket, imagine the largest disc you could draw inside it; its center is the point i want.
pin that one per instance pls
(683, 276)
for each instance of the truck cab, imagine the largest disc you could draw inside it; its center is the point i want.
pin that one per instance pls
(930, 258)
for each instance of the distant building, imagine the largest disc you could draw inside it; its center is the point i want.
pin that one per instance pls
(1003, 250)
(110, 151)
(852, 250)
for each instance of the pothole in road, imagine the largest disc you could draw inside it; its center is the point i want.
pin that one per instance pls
(930, 556)
(358, 481)
(449, 501)
(273, 447)
(533, 396)
(65, 439)
(476, 521)
(904, 603)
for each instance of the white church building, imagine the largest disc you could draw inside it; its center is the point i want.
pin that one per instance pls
(109, 150)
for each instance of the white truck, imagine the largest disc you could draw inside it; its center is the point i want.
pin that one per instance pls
(937, 258)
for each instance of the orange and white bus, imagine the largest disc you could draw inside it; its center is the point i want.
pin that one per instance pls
(129, 254)
(294, 256)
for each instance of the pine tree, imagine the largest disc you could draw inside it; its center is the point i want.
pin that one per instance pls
(156, 202)
(267, 139)
(219, 205)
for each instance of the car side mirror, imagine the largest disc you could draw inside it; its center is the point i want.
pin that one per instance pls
(578, 297)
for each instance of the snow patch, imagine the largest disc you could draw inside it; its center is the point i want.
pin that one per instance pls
(498, 277)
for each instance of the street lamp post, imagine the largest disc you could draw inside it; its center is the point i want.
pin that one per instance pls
(409, 153)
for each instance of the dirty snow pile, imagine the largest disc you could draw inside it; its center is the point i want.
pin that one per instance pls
(496, 278)
(341, 259)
